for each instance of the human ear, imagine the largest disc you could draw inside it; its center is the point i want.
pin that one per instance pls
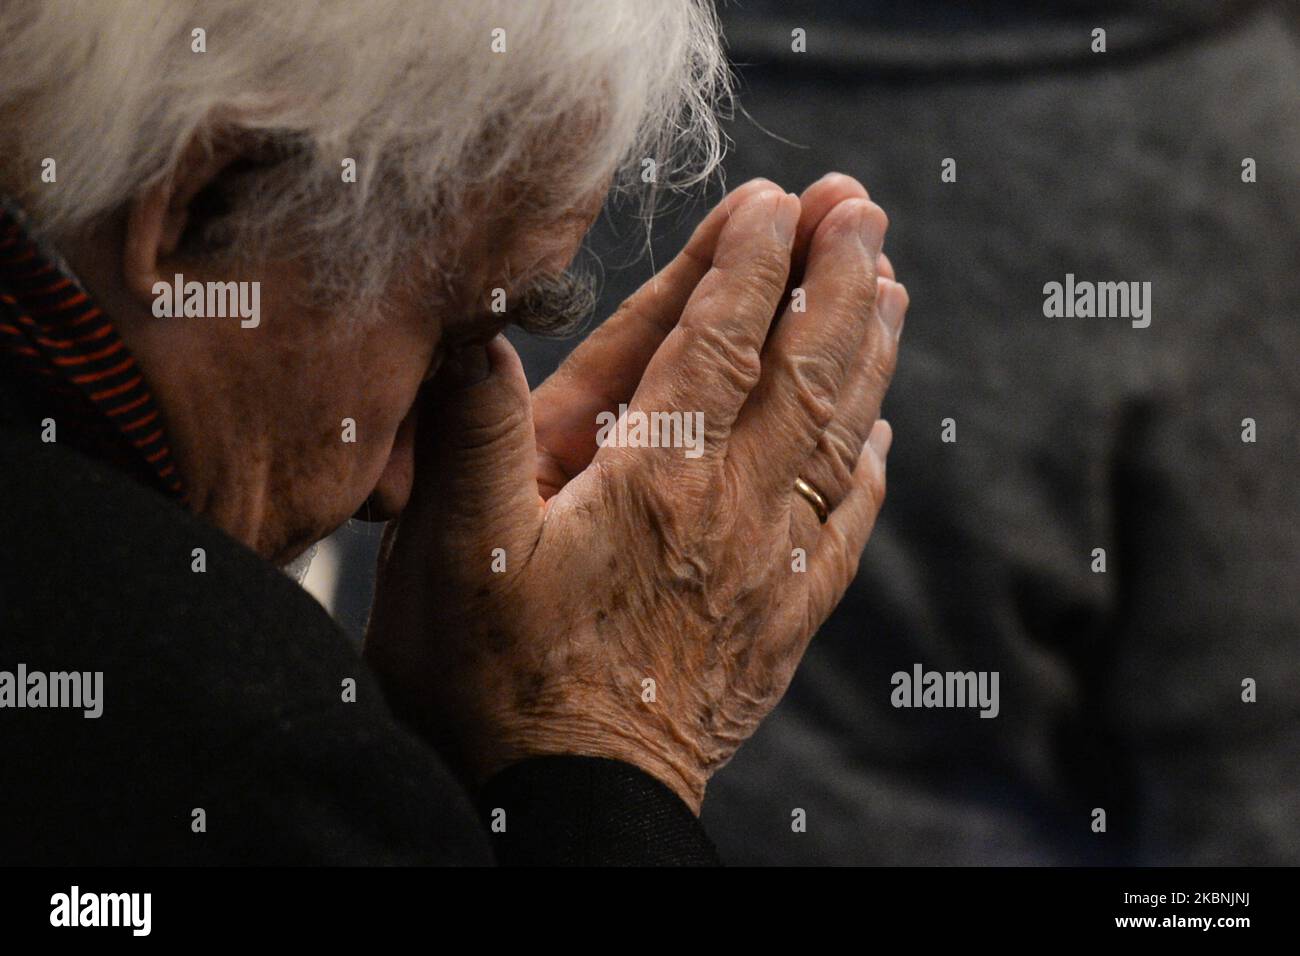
(158, 217)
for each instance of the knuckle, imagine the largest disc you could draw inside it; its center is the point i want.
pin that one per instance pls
(489, 431)
(856, 293)
(753, 288)
(854, 311)
(738, 361)
(813, 386)
(766, 273)
(755, 285)
(841, 450)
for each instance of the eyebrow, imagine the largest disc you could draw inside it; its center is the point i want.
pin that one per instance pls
(555, 305)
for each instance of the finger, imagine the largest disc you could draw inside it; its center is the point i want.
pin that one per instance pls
(476, 457)
(805, 525)
(884, 267)
(833, 562)
(604, 371)
(809, 356)
(710, 362)
(815, 202)
(819, 199)
(609, 364)
(830, 466)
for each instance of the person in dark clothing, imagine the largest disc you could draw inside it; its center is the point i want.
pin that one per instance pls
(255, 285)
(226, 736)
(1025, 442)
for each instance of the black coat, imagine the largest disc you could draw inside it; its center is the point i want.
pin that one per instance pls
(223, 691)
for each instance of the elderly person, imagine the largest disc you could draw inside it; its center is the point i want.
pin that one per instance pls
(255, 260)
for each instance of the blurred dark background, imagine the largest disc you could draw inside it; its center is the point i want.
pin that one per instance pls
(1119, 690)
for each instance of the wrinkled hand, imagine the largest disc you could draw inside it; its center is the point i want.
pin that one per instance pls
(542, 595)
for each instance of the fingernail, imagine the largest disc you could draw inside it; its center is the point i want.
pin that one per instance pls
(787, 218)
(881, 437)
(892, 303)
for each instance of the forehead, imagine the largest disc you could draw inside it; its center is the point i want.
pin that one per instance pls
(502, 255)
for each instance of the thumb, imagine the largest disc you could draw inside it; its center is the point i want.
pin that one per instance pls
(475, 482)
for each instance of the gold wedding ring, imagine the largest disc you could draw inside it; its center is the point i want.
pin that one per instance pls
(814, 498)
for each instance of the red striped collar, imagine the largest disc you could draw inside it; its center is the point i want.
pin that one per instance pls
(71, 366)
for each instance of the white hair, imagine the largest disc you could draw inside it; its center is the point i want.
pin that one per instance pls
(417, 92)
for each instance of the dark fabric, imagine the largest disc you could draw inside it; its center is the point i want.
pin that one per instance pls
(954, 37)
(1119, 690)
(224, 691)
(594, 812)
(64, 358)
